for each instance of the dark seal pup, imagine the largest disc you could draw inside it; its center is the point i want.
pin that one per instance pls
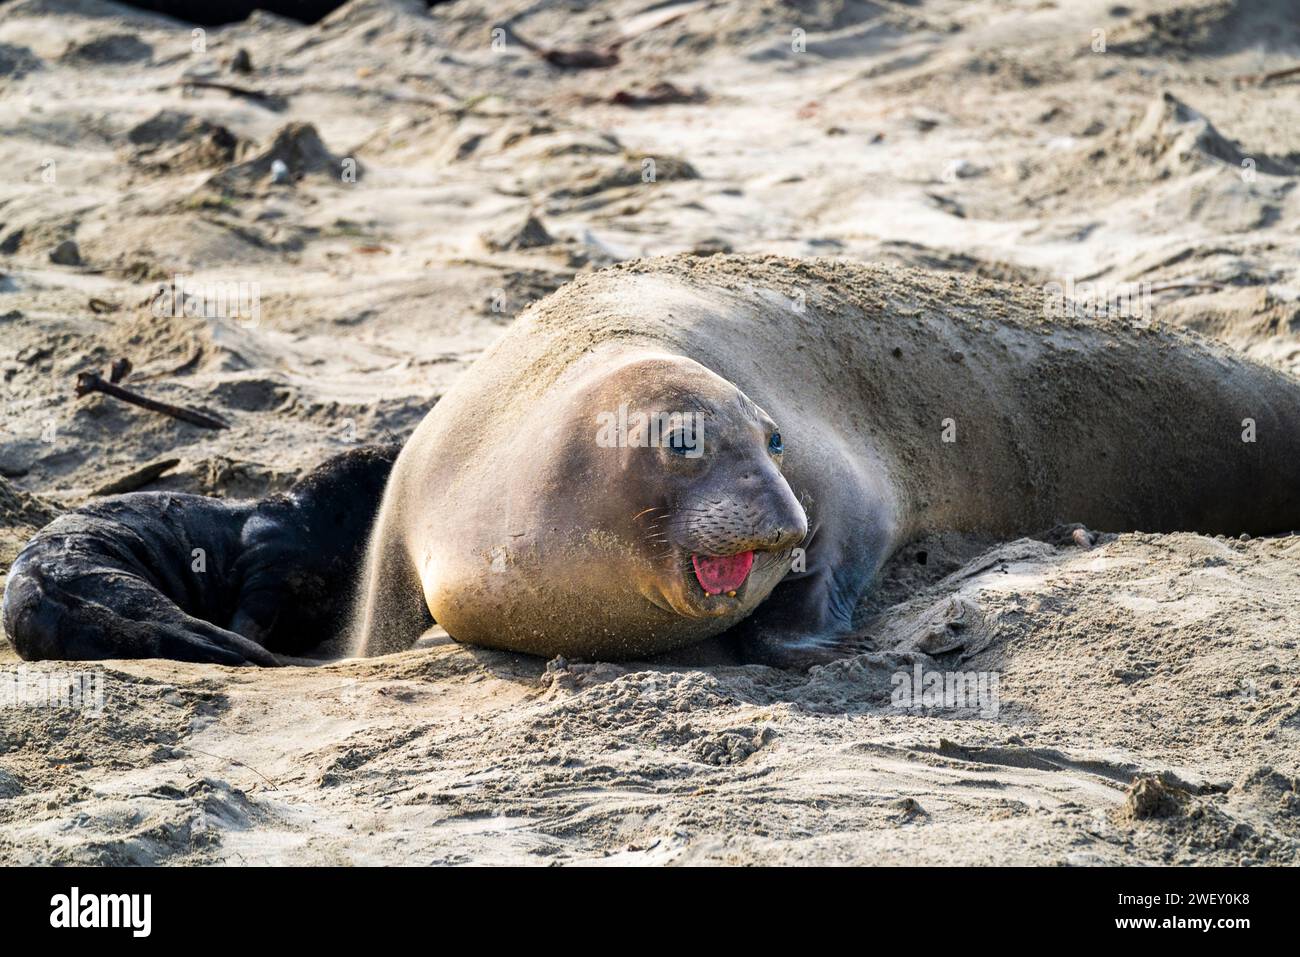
(168, 575)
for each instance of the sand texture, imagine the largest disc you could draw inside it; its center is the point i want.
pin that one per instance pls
(398, 190)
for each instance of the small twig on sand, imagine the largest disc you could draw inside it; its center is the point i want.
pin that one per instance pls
(587, 58)
(234, 761)
(1262, 78)
(226, 88)
(579, 59)
(269, 100)
(187, 366)
(1188, 284)
(658, 95)
(88, 382)
(137, 479)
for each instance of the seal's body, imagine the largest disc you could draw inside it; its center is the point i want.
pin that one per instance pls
(841, 410)
(169, 575)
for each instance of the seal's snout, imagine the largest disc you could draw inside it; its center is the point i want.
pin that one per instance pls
(729, 535)
(787, 525)
(786, 533)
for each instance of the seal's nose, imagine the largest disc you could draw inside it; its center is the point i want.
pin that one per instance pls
(787, 536)
(781, 522)
(789, 524)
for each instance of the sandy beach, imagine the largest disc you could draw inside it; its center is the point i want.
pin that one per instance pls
(387, 189)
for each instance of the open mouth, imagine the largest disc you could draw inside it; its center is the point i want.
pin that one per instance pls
(719, 574)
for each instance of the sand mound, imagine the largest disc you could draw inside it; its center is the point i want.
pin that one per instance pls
(164, 345)
(659, 34)
(1210, 28)
(361, 32)
(364, 11)
(513, 236)
(1262, 322)
(297, 150)
(174, 142)
(1172, 139)
(23, 508)
(153, 245)
(448, 138)
(115, 49)
(1168, 161)
(1240, 315)
(21, 513)
(559, 164)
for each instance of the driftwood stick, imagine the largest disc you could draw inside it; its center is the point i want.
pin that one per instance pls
(1262, 78)
(271, 101)
(230, 88)
(88, 382)
(1188, 284)
(136, 479)
(587, 58)
(579, 59)
(1280, 74)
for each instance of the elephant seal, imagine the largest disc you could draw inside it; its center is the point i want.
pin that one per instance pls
(838, 410)
(169, 575)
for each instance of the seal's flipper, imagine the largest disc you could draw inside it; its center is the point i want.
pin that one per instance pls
(59, 611)
(807, 620)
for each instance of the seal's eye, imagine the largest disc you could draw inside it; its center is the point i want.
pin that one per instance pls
(679, 443)
(775, 445)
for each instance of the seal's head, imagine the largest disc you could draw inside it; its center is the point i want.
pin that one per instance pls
(637, 506)
(714, 522)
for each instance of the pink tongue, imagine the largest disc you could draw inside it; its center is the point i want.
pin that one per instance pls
(724, 573)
